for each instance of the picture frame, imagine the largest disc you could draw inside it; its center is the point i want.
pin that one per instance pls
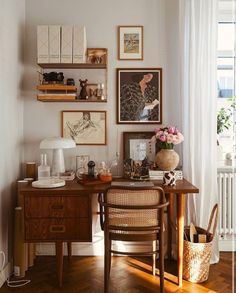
(137, 146)
(130, 42)
(82, 163)
(85, 127)
(139, 95)
(97, 55)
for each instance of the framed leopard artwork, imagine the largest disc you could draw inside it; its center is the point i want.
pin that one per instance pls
(139, 95)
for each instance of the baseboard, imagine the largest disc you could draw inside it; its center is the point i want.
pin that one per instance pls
(5, 273)
(227, 245)
(94, 248)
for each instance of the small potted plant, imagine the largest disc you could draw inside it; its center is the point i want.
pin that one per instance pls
(166, 138)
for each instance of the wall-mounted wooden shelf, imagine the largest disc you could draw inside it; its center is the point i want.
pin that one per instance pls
(65, 98)
(56, 87)
(73, 65)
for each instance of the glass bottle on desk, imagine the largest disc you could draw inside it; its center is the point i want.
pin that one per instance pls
(43, 168)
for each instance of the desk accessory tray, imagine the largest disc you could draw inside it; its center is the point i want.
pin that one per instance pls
(48, 183)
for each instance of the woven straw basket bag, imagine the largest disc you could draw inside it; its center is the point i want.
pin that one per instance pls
(196, 260)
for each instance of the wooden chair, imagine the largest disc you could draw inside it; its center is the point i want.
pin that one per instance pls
(134, 214)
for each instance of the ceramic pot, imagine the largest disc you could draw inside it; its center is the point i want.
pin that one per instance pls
(167, 159)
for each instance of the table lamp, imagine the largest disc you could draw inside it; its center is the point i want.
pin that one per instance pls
(57, 144)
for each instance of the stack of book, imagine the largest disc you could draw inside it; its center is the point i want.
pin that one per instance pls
(67, 175)
(158, 174)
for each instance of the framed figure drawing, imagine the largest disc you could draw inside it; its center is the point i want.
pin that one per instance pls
(130, 42)
(139, 95)
(85, 127)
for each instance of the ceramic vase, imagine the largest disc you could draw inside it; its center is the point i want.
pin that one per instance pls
(167, 159)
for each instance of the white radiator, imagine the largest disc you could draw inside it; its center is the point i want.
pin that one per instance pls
(227, 214)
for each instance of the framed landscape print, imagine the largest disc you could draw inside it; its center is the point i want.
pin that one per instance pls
(85, 127)
(139, 95)
(130, 42)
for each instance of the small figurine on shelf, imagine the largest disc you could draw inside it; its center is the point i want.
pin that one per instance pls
(83, 92)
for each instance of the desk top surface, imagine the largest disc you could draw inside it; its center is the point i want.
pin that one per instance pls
(73, 187)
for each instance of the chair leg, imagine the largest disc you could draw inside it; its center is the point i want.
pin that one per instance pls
(154, 244)
(109, 256)
(106, 264)
(161, 261)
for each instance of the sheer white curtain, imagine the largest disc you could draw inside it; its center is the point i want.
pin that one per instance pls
(198, 39)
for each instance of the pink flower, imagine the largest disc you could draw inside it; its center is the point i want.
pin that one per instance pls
(157, 130)
(171, 130)
(162, 138)
(170, 138)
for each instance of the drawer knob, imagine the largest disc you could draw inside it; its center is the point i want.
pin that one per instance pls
(57, 228)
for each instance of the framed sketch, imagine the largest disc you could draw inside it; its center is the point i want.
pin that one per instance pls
(82, 163)
(130, 42)
(85, 127)
(137, 146)
(139, 95)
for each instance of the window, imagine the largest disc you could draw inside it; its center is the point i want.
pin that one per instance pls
(226, 79)
(226, 60)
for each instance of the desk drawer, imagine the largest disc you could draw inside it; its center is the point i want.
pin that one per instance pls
(57, 229)
(56, 206)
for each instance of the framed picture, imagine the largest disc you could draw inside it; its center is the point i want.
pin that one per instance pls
(139, 95)
(97, 55)
(130, 42)
(85, 127)
(137, 146)
(82, 163)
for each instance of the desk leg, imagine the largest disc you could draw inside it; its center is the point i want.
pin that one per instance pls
(69, 250)
(180, 235)
(59, 260)
(170, 213)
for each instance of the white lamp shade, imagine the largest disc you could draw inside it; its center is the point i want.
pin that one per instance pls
(57, 143)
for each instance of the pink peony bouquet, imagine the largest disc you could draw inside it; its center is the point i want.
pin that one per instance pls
(167, 137)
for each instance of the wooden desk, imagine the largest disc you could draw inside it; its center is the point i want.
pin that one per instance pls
(65, 215)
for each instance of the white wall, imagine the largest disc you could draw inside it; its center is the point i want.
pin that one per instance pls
(12, 17)
(101, 19)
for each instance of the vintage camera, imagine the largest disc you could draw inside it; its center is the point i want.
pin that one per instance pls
(53, 77)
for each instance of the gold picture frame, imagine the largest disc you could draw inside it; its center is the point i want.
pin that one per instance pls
(130, 42)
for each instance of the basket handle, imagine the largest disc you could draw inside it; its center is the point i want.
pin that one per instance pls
(214, 212)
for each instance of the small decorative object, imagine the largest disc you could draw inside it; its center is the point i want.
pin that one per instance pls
(105, 172)
(83, 93)
(49, 183)
(70, 81)
(85, 127)
(130, 42)
(136, 170)
(166, 137)
(91, 166)
(169, 178)
(139, 95)
(43, 168)
(30, 170)
(53, 77)
(97, 55)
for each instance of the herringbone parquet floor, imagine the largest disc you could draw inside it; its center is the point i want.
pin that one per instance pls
(128, 275)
